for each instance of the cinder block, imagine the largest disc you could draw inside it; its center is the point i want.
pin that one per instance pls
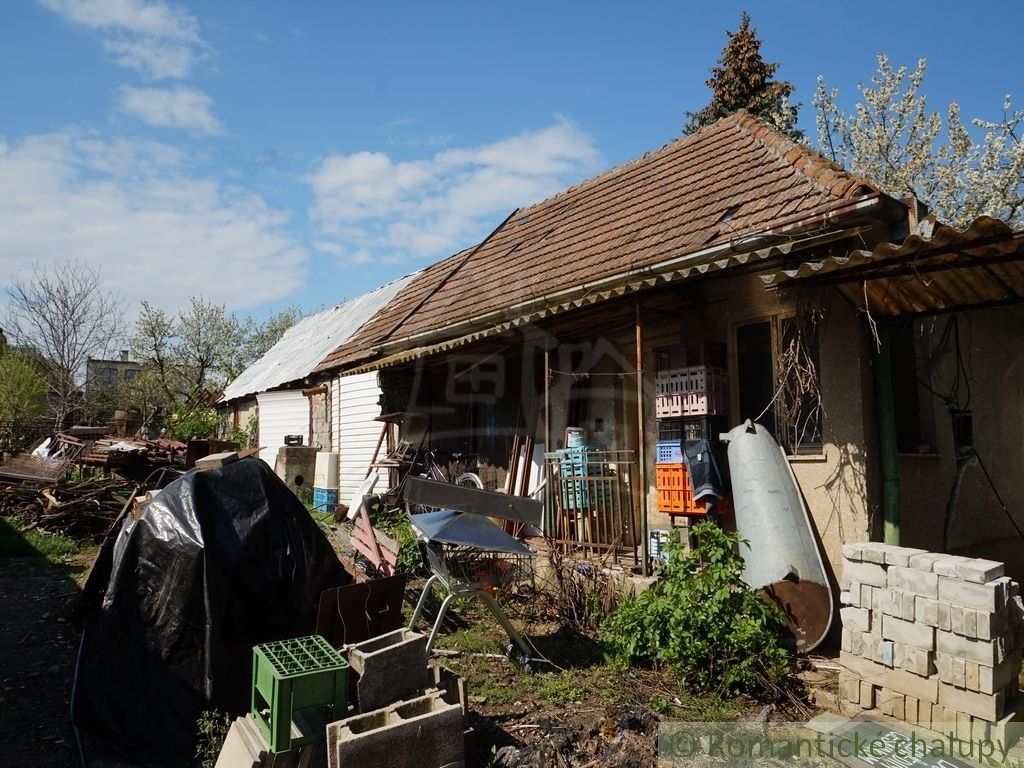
(907, 632)
(980, 571)
(898, 603)
(900, 556)
(970, 623)
(986, 706)
(963, 726)
(924, 688)
(926, 611)
(388, 668)
(910, 710)
(972, 676)
(989, 653)
(944, 616)
(873, 552)
(985, 597)
(991, 625)
(866, 596)
(925, 561)
(846, 597)
(956, 619)
(864, 573)
(996, 678)
(912, 580)
(959, 669)
(853, 551)
(915, 660)
(947, 565)
(867, 695)
(856, 619)
(425, 732)
(849, 688)
(886, 701)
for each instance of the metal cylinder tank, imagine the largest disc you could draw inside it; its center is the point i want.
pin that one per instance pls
(782, 555)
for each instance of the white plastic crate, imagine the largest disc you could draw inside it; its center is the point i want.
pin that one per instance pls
(689, 404)
(696, 378)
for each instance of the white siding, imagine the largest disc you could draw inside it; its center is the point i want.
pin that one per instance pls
(281, 413)
(357, 432)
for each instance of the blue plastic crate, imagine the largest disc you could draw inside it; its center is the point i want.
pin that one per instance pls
(325, 499)
(668, 452)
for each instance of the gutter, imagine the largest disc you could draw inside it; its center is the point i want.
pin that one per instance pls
(860, 208)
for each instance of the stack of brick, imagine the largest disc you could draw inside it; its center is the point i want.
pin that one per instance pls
(931, 639)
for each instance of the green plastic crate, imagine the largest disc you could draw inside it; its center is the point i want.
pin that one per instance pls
(298, 686)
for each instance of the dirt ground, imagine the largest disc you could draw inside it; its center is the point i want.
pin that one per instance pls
(38, 642)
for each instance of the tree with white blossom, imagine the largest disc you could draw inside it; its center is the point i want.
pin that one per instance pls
(893, 139)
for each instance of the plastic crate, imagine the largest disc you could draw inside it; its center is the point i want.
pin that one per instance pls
(668, 452)
(298, 686)
(703, 427)
(697, 378)
(670, 430)
(675, 496)
(325, 499)
(689, 404)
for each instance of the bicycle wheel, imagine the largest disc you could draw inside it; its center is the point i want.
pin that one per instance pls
(470, 480)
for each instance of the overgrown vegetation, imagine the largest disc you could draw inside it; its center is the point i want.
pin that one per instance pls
(191, 423)
(704, 622)
(212, 728)
(17, 540)
(395, 523)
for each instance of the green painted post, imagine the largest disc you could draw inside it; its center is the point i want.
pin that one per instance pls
(887, 448)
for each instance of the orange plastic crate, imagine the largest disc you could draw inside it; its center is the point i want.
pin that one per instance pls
(675, 496)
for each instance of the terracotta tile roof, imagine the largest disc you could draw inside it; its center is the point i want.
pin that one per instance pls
(735, 177)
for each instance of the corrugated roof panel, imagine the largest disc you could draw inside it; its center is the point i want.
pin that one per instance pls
(307, 342)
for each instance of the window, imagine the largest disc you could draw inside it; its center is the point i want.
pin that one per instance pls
(767, 352)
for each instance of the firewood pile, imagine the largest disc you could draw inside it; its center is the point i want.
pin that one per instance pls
(82, 509)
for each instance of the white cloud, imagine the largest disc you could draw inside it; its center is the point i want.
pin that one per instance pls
(156, 38)
(157, 230)
(178, 107)
(374, 208)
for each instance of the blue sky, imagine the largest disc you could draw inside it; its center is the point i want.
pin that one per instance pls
(270, 153)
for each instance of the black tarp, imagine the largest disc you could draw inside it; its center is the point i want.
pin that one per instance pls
(220, 561)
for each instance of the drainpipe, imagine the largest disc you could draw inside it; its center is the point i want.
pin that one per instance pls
(886, 413)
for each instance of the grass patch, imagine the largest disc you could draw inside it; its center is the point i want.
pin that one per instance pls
(14, 542)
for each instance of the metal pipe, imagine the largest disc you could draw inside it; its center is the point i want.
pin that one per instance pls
(885, 411)
(641, 450)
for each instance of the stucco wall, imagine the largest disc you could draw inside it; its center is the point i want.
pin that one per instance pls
(838, 484)
(992, 350)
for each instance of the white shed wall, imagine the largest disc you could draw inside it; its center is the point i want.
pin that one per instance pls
(281, 413)
(357, 432)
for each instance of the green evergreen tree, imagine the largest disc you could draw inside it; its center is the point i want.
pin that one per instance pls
(743, 80)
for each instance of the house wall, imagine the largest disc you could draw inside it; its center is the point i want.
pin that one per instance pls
(355, 409)
(838, 483)
(285, 412)
(992, 349)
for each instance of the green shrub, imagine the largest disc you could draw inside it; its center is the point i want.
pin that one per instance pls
(395, 523)
(703, 621)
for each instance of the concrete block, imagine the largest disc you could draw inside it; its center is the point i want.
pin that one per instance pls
(963, 726)
(853, 641)
(853, 551)
(847, 597)
(907, 632)
(986, 597)
(886, 701)
(388, 668)
(870, 647)
(856, 619)
(865, 573)
(989, 653)
(947, 565)
(991, 625)
(924, 712)
(959, 670)
(926, 611)
(980, 571)
(873, 552)
(897, 603)
(452, 686)
(923, 688)
(996, 678)
(970, 623)
(849, 688)
(925, 561)
(972, 676)
(911, 709)
(915, 581)
(915, 660)
(295, 465)
(867, 695)
(944, 616)
(900, 556)
(425, 732)
(986, 706)
(956, 619)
